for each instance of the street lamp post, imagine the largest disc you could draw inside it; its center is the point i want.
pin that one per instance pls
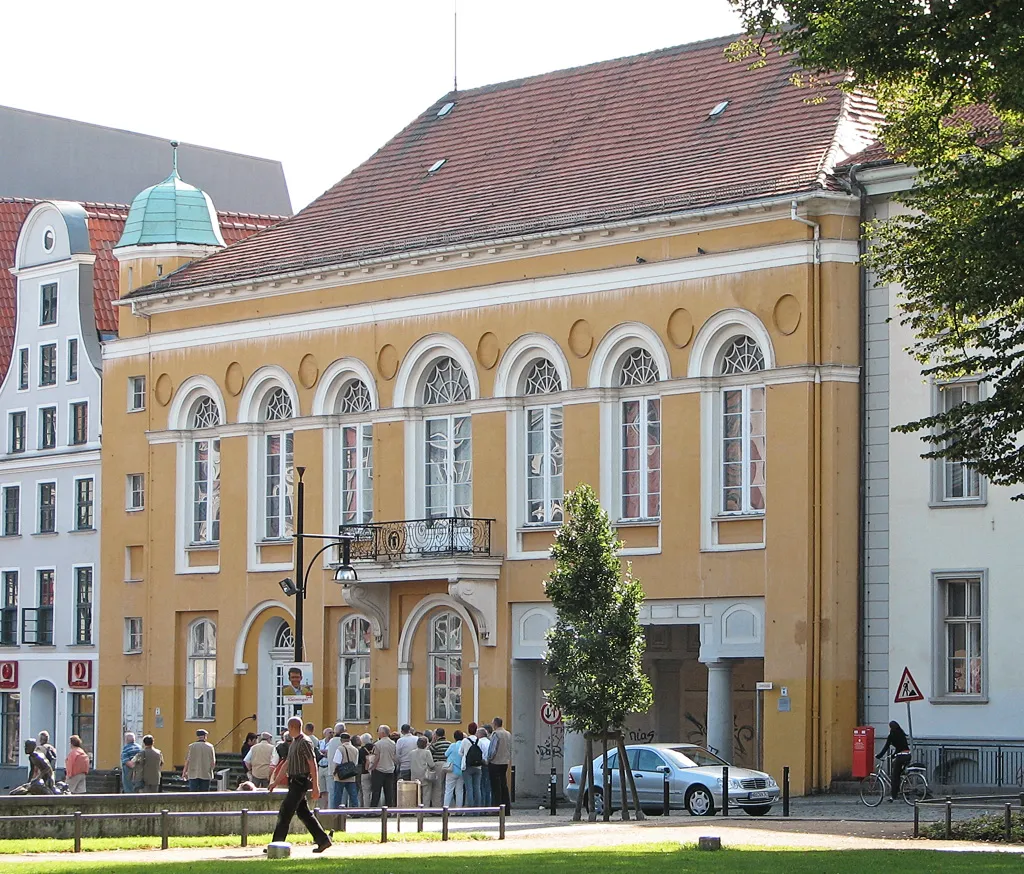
(298, 587)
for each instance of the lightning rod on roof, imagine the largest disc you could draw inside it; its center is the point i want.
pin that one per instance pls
(174, 155)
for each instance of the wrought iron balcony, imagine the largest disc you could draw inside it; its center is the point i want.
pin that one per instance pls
(419, 538)
(37, 626)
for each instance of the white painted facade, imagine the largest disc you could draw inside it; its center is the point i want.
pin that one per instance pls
(53, 249)
(930, 536)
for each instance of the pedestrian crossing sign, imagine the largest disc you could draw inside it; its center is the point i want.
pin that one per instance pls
(907, 690)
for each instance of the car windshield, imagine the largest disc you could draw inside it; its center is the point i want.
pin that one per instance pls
(693, 757)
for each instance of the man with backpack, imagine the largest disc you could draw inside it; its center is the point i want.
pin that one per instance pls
(472, 765)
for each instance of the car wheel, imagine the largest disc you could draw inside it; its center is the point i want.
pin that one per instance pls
(700, 802)
(759, 810)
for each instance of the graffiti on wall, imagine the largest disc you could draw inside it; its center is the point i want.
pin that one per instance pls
(743, 737)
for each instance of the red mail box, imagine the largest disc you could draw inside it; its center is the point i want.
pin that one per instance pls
(863, 750)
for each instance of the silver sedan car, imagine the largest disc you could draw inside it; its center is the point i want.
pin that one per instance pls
(695, 780)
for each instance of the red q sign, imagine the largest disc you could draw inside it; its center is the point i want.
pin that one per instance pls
(80, 674)
(8, 675)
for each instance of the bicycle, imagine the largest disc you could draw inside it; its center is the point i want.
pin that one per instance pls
(913, 784)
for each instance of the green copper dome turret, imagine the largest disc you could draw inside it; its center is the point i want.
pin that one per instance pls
(172, 211)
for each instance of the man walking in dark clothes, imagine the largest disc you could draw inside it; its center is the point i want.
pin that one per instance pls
(302, 777)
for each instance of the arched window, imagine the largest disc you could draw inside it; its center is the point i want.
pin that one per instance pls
(449, 460)
(205, 527)
(356, 455)
(445, 668)
(278, 473)
(201, 682)
(743, 428)
(640, 444)
(355, 669)
(544, 446)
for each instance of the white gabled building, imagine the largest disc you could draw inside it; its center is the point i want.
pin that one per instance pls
(49, 486)
(943, 560)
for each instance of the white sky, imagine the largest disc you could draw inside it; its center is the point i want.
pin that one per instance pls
(316, 84)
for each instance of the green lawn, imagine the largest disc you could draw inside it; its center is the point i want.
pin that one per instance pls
(650, 859)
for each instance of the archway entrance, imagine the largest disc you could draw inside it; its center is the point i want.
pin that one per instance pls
(277, 650)
(43, 710)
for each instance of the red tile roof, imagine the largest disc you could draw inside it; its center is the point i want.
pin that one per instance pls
(106, 221)
(615, 140)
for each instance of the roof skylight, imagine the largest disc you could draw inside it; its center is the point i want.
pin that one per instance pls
(444, 110)
(437, 165)
(719, 109)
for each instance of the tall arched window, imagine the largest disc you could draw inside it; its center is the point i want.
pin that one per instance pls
(449, 458)
(356, 455)
(355, 669)
(544, 446)
(278, 473)
(201, 681)
(640, 447)
(743, 429)
(445, 668)
(205, 527)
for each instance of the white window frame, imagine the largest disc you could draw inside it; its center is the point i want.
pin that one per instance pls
(74, 348)
(448, 449)
(81, 605)
(72, 422)
(135, 492)
(201, 673)
(644, 426)
(552, 484)
(361, 473)
(4, 491)
(941, 623)
(444, 656)
(56, 364)
(941, 466)
(39, 506)
(746, 484)
(91, 504)
(136, 394)
(285, 515)
(132, 635)
(24, 365)
(355, 664)
(11, 414)
(43, 286)
(42, 427)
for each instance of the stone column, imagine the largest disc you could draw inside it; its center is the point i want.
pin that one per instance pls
(404, 692)
(720, 708)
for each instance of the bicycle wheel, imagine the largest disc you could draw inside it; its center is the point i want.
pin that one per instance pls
(872, 790)
(915, 787)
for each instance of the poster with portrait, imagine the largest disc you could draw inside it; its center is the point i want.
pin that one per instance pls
(298, 683)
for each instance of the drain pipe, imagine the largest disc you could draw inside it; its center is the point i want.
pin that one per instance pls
(816, 532)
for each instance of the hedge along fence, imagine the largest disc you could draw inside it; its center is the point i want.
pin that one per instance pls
(1002, 819)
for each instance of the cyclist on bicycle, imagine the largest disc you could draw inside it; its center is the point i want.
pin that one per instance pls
(897, 741)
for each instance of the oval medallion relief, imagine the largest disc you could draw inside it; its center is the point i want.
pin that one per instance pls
(680, 327)
(234, 379)
(581, 338)
(309, 370)
(387, 361)
(786, 314)
(163, 390)
(487, 351)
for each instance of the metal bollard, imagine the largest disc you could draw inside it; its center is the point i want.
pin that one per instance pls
(501, 822)
(665, 794)
(419, 819)
(917, 820)
(552, 791)
(245, 827)
(785, 791)
(398, 821)
(165, 829)
(725, 791)
(949, 820)
(512, 788)
(1007, 822)
(444, 824)
(78, 831)
(344, 822)
(383, 825)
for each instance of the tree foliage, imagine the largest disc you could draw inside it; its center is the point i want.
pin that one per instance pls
(949, 79)
(596, 648)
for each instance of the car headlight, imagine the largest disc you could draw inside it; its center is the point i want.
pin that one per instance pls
(734, 783)
(772, 784)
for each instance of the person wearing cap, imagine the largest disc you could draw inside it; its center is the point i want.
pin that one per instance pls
(200, 761)
(258, 761)
(345, 789)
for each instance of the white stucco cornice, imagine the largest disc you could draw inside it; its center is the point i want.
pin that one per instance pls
(42, 270)
(790, 254)
(495, 250)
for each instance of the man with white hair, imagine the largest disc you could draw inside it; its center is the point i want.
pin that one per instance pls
(385, 761)
(128, 752)
(258, 760)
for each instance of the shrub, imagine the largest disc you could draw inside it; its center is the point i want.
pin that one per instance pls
(989, 827)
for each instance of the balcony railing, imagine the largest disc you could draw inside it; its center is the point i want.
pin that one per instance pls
(37, 625)
(8, 626)
(419, 538)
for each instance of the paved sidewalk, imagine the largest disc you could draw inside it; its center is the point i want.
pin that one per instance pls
(822, 823)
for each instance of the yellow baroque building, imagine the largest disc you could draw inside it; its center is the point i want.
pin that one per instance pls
(600, 275)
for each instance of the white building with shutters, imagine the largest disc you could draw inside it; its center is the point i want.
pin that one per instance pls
(49, 491)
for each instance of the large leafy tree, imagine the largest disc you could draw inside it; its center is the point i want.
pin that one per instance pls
(949, 79)
(596, 648)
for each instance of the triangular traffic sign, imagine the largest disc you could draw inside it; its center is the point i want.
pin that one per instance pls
(907, 690)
